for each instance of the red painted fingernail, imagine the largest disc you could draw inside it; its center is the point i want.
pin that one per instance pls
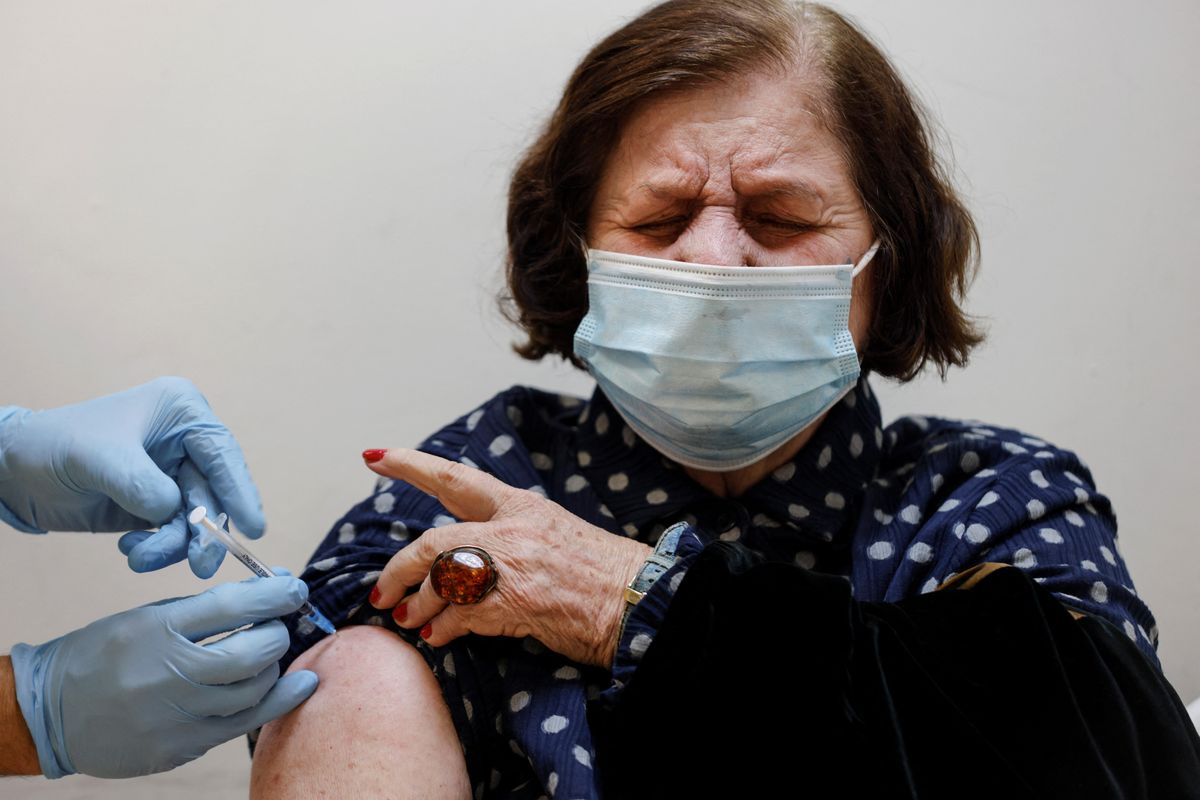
(371, 456)
(400, 612)
(427, 631)
(375, 595)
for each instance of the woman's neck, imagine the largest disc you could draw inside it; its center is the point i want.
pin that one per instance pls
(737, 482)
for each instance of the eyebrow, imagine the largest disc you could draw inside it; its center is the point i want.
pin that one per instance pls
(770, 188)
(669, 188)
(797, 189)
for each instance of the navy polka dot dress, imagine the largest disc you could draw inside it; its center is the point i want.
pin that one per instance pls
(895, 511)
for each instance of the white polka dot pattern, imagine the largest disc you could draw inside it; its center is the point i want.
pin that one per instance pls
(555, 724)
(1035, 508)
(896, 512)
(921, 553)
(639, 644)
(1024, 558)
(1050, 536)
(977, 533)
(880, 551)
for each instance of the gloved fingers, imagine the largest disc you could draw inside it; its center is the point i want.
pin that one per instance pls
(289, 691)
(229, 699)
(205, 553)
(131, 540)
(157, 550)
(161, 602)
(232, 605)
(130, 478)
(238, 656)
(218, 456)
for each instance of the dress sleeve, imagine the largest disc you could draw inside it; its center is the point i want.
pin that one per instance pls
(647, 615)
(1042, 514)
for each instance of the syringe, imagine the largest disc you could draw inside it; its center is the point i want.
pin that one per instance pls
(199, 516)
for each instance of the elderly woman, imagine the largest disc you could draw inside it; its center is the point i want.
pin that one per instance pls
(733, 216)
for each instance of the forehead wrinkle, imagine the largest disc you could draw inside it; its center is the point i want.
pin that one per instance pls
(770, 187)
(678, 180)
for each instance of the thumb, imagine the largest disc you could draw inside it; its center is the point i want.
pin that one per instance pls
(288, 692)
(131, 479)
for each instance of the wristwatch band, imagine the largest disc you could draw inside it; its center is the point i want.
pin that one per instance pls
(655, 566)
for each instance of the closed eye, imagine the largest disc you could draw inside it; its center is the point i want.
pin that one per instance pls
(662, 227)
(782, 224)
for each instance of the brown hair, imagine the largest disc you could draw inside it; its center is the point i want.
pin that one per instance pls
(929, 246)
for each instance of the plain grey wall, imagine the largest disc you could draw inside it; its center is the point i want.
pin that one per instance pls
(299, 205)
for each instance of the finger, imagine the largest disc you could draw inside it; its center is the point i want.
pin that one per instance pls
(219, 458)
(419, 607)
(163, 548)
(446, 627)
(238, 656)
(289, 691)
(205, 553)
(232, 605)
(411, 564)
(131, 540)
(469, 494)
(131, 479)
(223, 701)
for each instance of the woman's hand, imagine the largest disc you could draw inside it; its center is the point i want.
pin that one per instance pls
(561, 580)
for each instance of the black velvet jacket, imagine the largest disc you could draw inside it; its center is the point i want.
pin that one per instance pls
(768, 680)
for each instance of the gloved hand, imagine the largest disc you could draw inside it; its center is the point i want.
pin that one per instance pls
(119, 462)
(132, 694)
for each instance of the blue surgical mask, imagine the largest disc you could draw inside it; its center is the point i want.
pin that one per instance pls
(716, 367)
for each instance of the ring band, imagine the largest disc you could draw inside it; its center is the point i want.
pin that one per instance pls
(463, 575)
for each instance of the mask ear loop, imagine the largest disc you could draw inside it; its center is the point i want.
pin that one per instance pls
(865, 260)
(859, 267)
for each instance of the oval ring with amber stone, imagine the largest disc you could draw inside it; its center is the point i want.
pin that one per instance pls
(463, 575)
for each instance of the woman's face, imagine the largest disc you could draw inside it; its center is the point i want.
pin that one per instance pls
(738, 174)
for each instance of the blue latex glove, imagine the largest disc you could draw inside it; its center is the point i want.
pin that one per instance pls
(120, 462)
(133, 694)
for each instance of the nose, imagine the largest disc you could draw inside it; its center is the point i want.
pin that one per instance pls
(714, 236)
